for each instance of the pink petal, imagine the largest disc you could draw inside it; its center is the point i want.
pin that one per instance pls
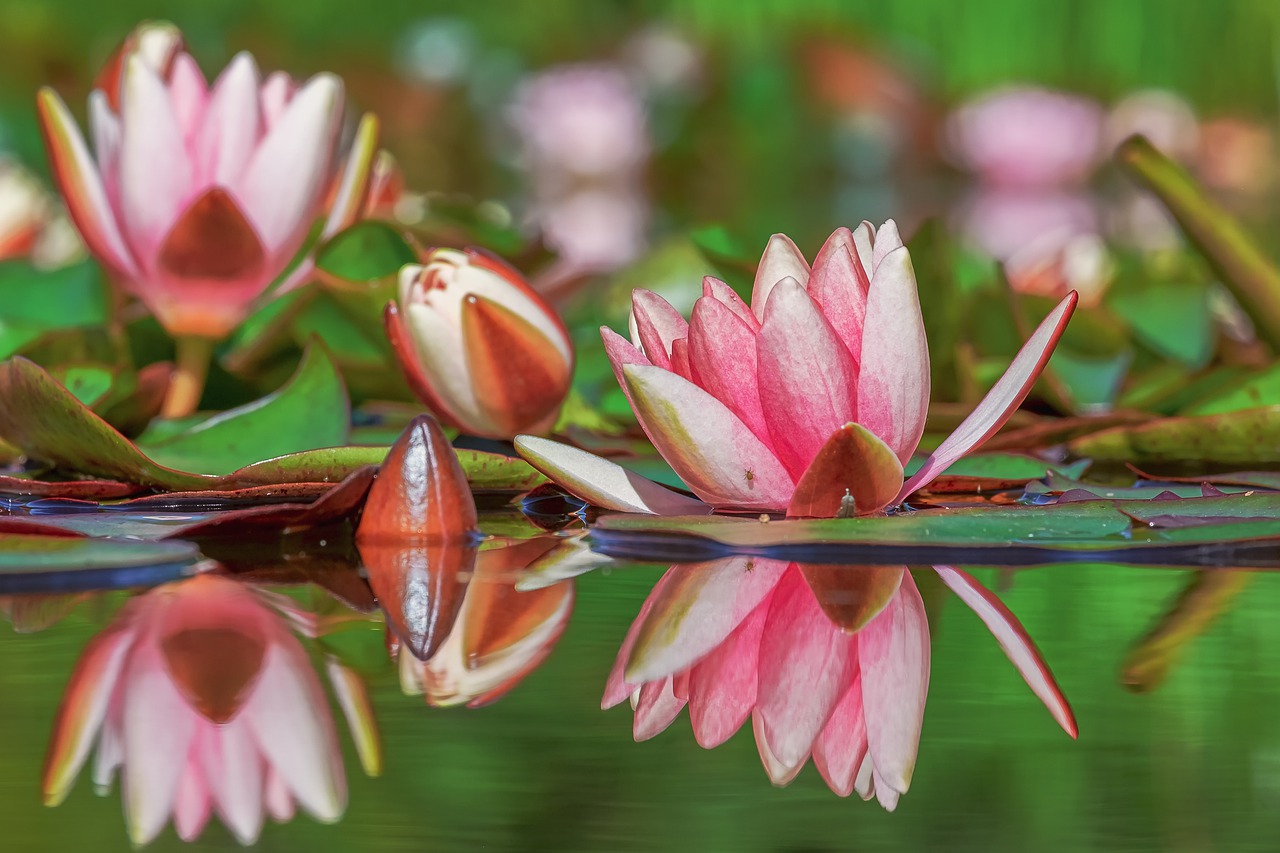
(616, 687)
(885, 793)
(602, 483)
(707, 445)
(893, 378)
(189, 94)
(231, 127)
(155, 172)
(807, 377)
(893, 653)
(781, 259)
(285, 180)
(806, 667)
(81, 184)
(722, 356)
(621, 352)
(158, 727)
(289, 717)
(658, 707)
(839, 285)
(718, 290)
(192, 806)
(277, 91)
(276, 796)
(657, 324)
(696, 608)
(1001, 401)
(680, 359)
(864, 782)
(1015, 641)
(780, 772)
(235, 771)
(841, 748)
(863, 238)
(104, 128)
(722, 686)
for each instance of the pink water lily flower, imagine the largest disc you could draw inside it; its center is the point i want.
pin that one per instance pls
(205, 701)
(811, 400)
(828, 662)
(195, 197)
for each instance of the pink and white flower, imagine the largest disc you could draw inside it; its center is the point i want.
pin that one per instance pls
(812, 396)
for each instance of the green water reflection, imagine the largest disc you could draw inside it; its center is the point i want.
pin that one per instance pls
(1192, 765)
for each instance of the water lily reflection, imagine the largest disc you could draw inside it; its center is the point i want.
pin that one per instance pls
(828, 662)
(202, 697)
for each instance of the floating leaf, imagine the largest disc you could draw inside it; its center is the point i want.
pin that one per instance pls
(1247, 437)
(57, 563)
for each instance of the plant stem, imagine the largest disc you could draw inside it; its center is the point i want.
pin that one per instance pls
(194, 356)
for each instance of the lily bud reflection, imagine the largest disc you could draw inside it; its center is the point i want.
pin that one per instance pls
(501, 634)
(479, 346)
(828, 662)
(206, 702)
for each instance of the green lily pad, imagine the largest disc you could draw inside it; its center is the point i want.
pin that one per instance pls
(1247, 437)
(1005, 466)
(1250, 391)
(365, 252)
(1172, 319)
(59, 563)
(311, 411)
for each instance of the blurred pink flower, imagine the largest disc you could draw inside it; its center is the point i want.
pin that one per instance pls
(580, 121)
(206, 702)
(1163, 117)
(24, 211)
(810, 400)
(195, 197)
(828, 661)
(1025, 136)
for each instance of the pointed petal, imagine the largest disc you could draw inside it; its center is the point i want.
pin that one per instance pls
(885, 793)
(893, 653)
(1014, 640)
(83, 710)
(602, 483)
(104, 129)
(277, 90)
(696, 609)
(158, 727)
(231, 126)
(781, 259)
(806, 666)
(657, 324)
(355, 184)
(680, 365)
(839, 750)
(808, 380)
(289, 718)
(707, 445)
(620, 353)
(1001, 401)
(616, 687)
(726, 295)
(722, 357)
(852, 596)
(893, 378)
(780, 772)
(353, 698)
(863, 238)
(864, 782)
(276, 798)
(282, 186)
(887, 241)
(193, 804)
(189, 94)
(854, 463)
(722, 686)
(155, 172)
(840, 286)
(658, 707)
(234, 772)
(81, 185)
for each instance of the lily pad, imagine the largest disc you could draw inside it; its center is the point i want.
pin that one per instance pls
(1247, 437)
(57, 563)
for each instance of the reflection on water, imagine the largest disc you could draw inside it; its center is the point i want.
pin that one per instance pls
(207, 696)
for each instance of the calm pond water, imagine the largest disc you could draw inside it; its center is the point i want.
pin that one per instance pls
(1191, 764)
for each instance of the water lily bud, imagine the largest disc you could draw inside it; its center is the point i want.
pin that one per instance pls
(479, 346)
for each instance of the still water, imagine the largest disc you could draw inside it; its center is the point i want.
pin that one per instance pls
(1190, 763)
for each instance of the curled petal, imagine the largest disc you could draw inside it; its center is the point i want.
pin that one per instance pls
(1001, 401)
(1015, 642)
(602, 483)
(893, 378)
(707, 445)
(781, 773)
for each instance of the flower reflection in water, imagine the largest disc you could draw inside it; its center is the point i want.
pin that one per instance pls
(828, 661)
(202, 697)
